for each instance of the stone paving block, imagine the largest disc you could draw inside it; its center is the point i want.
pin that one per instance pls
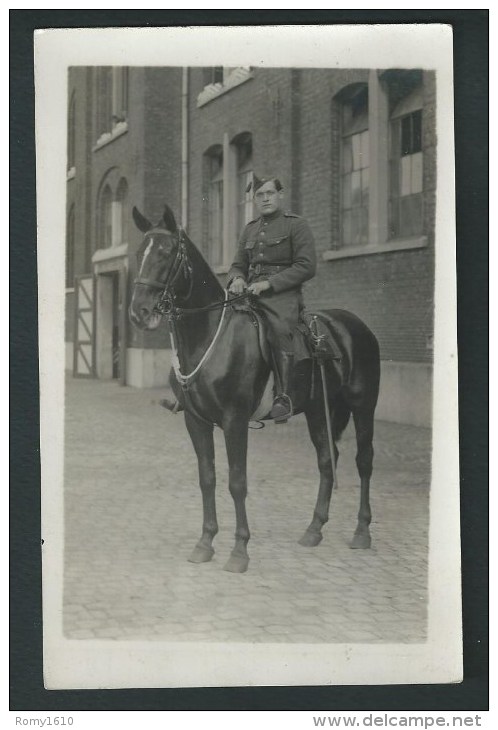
(133, 516)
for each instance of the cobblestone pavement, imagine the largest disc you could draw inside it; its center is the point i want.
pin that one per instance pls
(133, 514)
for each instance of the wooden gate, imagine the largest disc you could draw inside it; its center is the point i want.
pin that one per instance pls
(84, 327)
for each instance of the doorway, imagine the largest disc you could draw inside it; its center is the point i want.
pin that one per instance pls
(111, 326)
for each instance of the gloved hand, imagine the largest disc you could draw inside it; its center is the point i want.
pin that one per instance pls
(237, 286)
(258, 286)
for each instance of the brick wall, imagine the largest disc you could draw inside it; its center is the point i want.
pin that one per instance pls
(295, 125)
(392, 292)
(262, 106)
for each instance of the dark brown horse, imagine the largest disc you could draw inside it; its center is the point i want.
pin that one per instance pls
(221, 373)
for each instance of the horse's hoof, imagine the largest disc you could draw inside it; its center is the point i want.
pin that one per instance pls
(361, 540)
(201, 554)
(236, 564)
(311, 539)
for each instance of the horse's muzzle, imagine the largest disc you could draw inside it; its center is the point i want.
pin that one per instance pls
(145, 319)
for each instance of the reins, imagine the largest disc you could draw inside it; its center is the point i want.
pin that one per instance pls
(167, 304)
(186, 380)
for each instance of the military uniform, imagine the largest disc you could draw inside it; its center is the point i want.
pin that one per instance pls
(278, 248)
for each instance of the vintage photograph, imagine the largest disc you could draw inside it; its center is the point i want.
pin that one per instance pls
(248, 337)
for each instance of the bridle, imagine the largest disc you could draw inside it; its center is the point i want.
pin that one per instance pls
(167, 303)
(180, 265)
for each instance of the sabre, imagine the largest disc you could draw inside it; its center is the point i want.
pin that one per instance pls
(321, 363)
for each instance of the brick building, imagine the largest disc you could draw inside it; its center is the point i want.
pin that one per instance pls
(355, 149)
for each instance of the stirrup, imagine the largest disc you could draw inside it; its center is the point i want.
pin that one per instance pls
(173, 406)
(281, 409)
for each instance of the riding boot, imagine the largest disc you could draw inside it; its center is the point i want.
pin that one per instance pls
(282, 405)
(171, 405)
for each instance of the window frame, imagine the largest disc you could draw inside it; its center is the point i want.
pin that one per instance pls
(406, 107)
(112, 101)
(379, 116)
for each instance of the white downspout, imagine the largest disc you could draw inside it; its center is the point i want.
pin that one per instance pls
(184, 147)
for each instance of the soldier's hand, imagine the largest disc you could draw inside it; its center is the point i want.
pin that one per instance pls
(258, 287)
(237, 286)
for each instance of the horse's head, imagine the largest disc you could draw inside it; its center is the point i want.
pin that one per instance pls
(160, 261)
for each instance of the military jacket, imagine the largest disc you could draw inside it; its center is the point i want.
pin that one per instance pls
(279, 248)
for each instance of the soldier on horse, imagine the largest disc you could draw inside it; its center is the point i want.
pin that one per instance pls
(275, 256)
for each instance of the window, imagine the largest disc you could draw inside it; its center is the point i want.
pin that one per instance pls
(355, 162)
(215, 206)
(243, 151)
(105, 219)
(70, 236)
(104, 100)
(406, 168)
(122, 214)
(227, 204)
(213, 75)
(71, 134)
(112, 101)
(378, 130)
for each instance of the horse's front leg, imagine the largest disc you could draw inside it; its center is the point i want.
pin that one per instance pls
(202, 439)
(236, 435)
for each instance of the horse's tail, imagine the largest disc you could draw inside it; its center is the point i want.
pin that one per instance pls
(342, 414)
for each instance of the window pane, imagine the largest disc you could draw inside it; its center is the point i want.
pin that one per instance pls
(395, 139)
(346, 191)
(406, 135)
(216, 222)
(410, 215)
(393, 219)
(394, 178)
(217, 74)
(346, 228)
(416, 177)
(364, 186)
(355, 189)
(356, 227)
(347, 155)
(365, 151)
(364, 226)
(356, 140)
(405, 171)
(417, 131)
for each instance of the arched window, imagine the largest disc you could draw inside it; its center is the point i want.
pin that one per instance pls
(215, 205)
(244, 175)
(105, 218)
(122, 213)
(355, 163)
(405, 159)
(71, 134)
(70, 238)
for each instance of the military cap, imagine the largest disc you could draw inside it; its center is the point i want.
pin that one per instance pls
(257, 182)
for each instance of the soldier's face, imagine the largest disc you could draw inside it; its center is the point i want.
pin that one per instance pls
(268, 198)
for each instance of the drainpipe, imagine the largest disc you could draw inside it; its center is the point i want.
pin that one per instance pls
(184, 147)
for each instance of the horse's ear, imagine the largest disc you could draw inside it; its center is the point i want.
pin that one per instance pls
(169, 219)
(141, 221)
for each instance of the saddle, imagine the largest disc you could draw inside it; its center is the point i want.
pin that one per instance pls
(311, 338)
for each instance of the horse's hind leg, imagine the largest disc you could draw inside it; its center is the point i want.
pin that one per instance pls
(202, 439)
(364, 425)
(318, 431)
(236, 437)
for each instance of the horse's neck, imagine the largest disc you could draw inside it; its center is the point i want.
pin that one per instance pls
(196, 331)
(205, 289)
